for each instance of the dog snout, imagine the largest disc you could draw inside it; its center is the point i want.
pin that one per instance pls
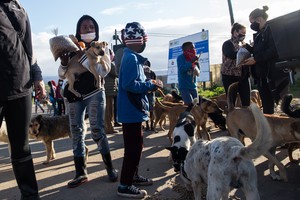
(176, 167)
(101, 53)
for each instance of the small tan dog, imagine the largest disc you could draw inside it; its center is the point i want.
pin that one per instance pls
(95, 54)
(3, 134)
(240, 122)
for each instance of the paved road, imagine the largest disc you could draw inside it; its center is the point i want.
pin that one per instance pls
(52, 178)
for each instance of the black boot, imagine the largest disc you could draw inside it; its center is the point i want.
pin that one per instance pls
(81, 172)
(25, 177)
(112, 173)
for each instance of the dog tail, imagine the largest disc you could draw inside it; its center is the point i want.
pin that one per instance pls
(231, 94)
(262, 142)
(176, 96)
(161, 92)
(161, 105)
(287, 108)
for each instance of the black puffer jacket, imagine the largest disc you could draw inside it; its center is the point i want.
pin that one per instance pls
(15, 52)
(265, 54)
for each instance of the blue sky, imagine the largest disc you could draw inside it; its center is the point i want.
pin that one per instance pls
(164, 20)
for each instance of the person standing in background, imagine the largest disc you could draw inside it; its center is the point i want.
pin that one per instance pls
(187, 64)
(52, 95)
(150, 75)
(111, 91)
(229, 71)
(17, 75)
(59, 98)
(94, 102)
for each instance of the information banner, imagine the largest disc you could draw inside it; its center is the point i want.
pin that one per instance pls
(200, 41)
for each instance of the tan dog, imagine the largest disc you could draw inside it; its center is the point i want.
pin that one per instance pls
(47, 129)
(284, 130)
(94, 54)
(200, 113)
(4, 135)
(160, 113)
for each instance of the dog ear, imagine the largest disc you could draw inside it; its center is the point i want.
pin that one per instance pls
(39, 118)
(172, 148)
(93, 44)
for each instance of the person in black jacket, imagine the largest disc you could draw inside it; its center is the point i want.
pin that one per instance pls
(264, 58)
(17, 73)
(230, 72)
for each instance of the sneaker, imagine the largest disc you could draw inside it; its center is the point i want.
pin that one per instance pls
(131, 192)
(140, 180)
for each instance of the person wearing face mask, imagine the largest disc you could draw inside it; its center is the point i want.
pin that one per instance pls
(263, 59)
(133, 108)
(229, 71)
(187, 62)
(92, 101)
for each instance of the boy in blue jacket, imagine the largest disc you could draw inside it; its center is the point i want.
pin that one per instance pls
(133, 108)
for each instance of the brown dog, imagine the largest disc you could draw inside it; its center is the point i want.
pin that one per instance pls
(200, 113)
(160, 113)
(284, 130)
(47, 129)
(94, 55)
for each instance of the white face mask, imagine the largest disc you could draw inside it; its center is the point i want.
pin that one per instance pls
(88, 37)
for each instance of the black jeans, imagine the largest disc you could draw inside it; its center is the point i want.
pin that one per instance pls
(133, 146)
(266, 96)
(17, 114)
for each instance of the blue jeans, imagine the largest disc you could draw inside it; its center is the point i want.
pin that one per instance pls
(95, 107)
(188, 95)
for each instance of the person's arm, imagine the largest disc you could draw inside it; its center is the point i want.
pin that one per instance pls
(228, 50)
(37, 78)
(133, 82)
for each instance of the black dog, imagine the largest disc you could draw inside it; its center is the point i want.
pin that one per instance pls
(287, 108)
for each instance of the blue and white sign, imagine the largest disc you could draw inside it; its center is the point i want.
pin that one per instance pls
(200, 41)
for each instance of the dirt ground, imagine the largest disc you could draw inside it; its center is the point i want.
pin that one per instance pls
(53, 178)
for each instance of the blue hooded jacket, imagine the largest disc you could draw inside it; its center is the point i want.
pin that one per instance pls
(133, 104)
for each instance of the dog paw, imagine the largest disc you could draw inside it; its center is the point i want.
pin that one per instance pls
(46, 162)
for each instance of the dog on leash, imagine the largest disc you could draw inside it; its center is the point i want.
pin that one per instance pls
(284, 130)
(94, 55)
(47, 129)
(200, 113)
(289, 110)
(183, 136)
(225, 163)
(160, 114)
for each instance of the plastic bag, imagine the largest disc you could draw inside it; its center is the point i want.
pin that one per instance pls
(61, 44)
(242, 55)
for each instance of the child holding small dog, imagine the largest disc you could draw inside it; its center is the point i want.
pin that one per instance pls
(93, 103)
(133, 108)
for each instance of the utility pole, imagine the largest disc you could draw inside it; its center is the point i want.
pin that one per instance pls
(230, 11)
